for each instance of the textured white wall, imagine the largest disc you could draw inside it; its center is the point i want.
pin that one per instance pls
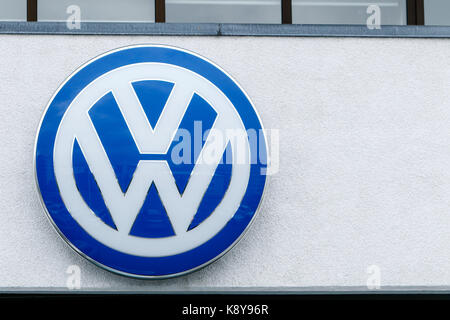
(365, 161)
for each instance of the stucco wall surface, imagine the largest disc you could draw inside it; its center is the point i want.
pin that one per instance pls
(364, 173)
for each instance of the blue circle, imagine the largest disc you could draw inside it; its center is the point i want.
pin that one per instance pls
(76, 236)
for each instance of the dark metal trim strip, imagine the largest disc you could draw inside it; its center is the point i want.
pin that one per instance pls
(160, 10)
(286, 11)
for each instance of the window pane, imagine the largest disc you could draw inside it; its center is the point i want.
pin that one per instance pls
(224, 11)
(437, 12)
(392, 12)
(98, 10)
(13, 10)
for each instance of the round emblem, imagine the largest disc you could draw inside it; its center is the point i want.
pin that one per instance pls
(150, 161)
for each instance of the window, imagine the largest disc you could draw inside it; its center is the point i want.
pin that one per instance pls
(98, 10)
(224, 11)
(310, 12)
(13, 10)
(392, 12)
(437, 12)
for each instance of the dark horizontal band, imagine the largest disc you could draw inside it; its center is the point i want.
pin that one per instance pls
(216, 29)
